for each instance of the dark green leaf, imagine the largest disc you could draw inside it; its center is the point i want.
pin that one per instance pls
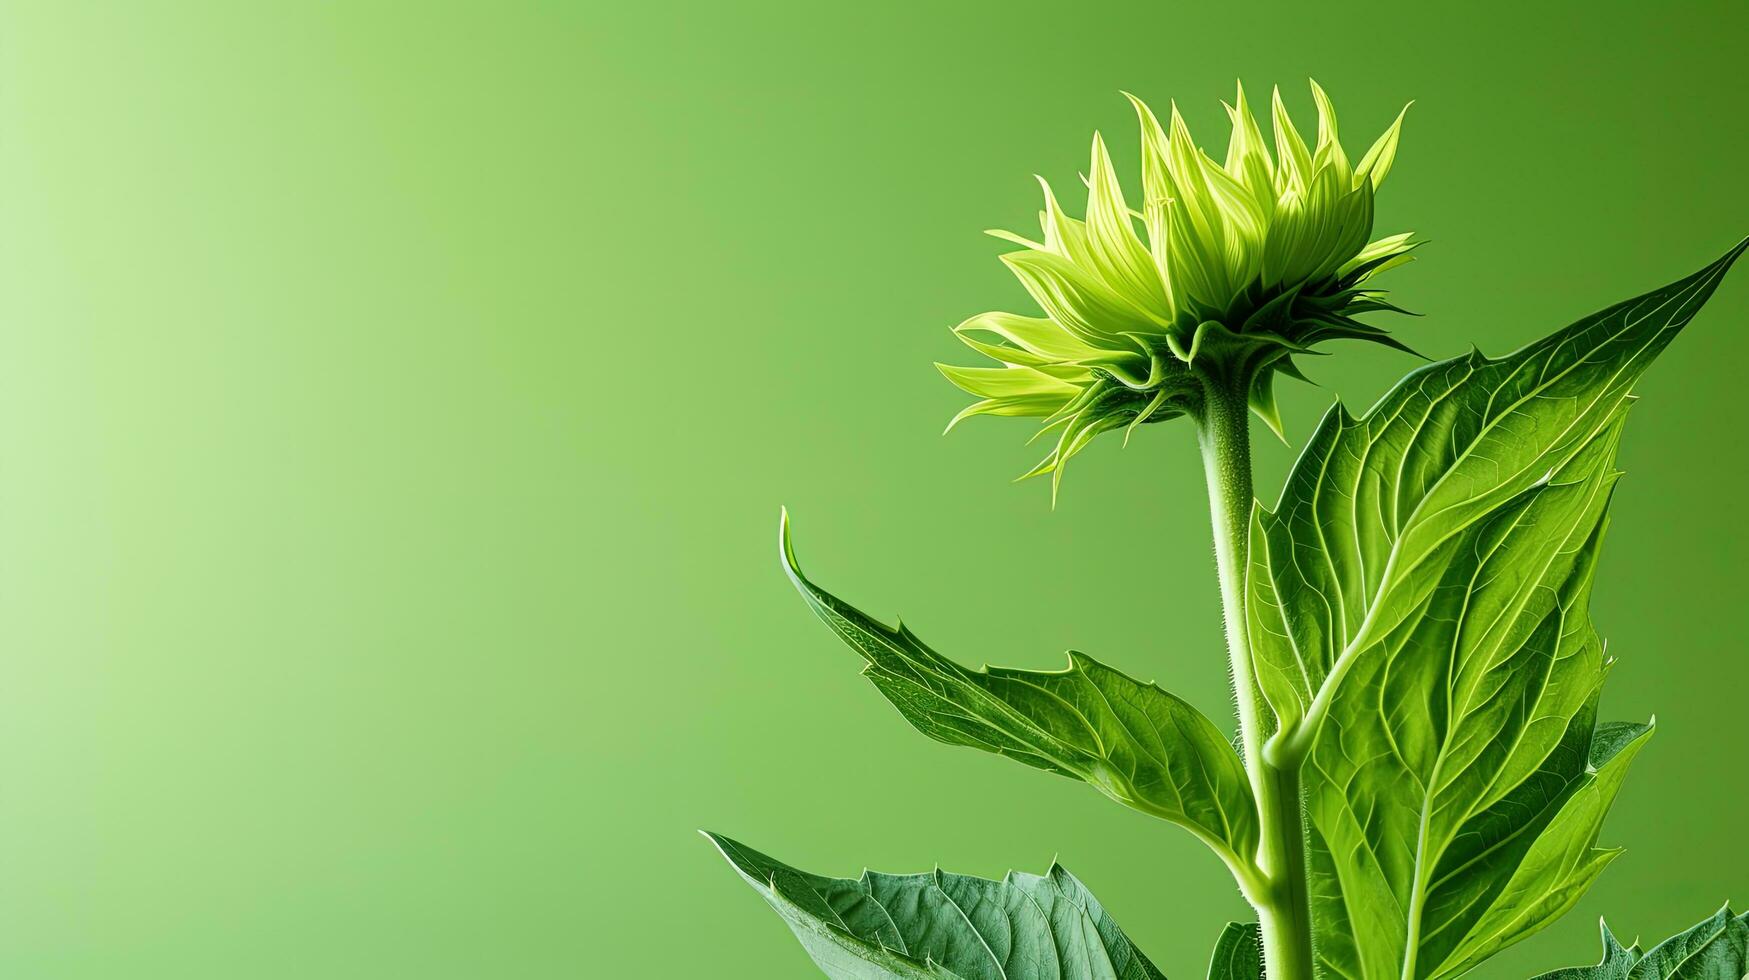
(1717, 949)
(1137, 744)
(1617, 961)
(940, 926)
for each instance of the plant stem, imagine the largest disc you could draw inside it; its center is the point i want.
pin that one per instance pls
(1223, 431)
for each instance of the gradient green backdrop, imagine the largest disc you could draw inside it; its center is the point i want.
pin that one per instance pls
(396, 401)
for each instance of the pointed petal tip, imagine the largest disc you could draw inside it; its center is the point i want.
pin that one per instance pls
(1144, 112)
(1241, 106)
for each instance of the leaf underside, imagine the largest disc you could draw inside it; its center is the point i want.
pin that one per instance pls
(1422, 591)
(1136, 743)
(940, 926)
(1716, 949)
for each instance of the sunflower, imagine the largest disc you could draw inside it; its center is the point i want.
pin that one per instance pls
(1225, 273)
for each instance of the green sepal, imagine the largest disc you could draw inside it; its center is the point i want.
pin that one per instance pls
(1262, 402)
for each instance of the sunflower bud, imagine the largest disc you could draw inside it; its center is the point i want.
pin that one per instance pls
(1238, 266)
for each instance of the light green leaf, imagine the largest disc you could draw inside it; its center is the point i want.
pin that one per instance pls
(940, 926)
(1134, 742)
(1550, 876)
(1374, 501)
(1717, 949)
(1420, 627)
(1238, 953)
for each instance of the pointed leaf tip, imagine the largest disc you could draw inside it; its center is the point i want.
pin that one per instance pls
(786, 551)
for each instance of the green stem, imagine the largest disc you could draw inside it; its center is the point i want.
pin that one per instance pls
(1223, 431)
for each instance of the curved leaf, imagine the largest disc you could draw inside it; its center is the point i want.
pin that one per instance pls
(1134, 742)
(940, 926)
(1420, 624)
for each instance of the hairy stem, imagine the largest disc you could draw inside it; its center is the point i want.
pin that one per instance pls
(1282, 911)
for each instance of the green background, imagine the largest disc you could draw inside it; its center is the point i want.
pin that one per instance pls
(396, 402)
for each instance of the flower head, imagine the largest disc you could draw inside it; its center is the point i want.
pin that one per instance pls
(1237, 267)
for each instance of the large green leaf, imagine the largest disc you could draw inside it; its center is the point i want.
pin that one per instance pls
(1717, 949)
(940, 926)
(1136, 743)
(1420, 627)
